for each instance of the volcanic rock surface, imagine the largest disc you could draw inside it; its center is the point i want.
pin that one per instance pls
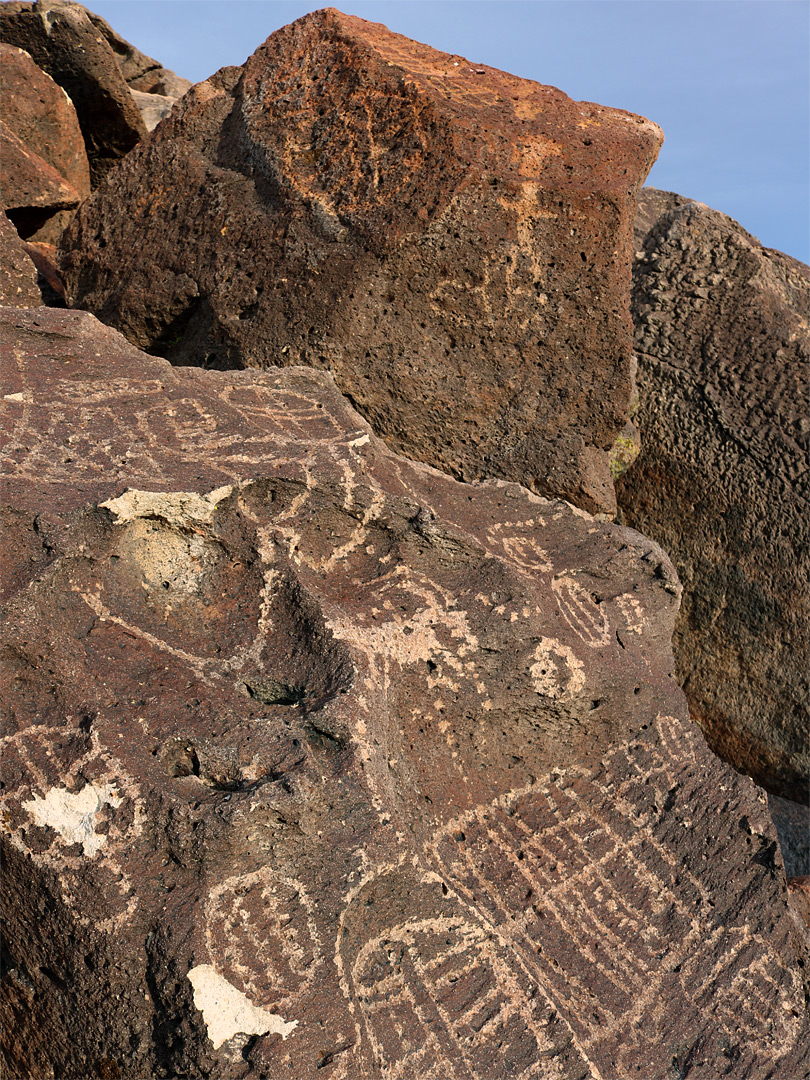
(453, 243)
(31, 190)
(42, 116)
(722, 479)
(320, 763)
(18, 275)
(63, 41)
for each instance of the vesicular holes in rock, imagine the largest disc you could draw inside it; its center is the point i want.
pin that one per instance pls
(274, 692)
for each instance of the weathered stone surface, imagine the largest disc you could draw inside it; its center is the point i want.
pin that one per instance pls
(31, 190)
(40, 113)
(721, 483)
(49, 278)
(799, 898)
(18, 275)
(451, 242)
(650, 205)
(390, 766)
(63, 41)
(154, 107)
(792, 821)
(140, 72)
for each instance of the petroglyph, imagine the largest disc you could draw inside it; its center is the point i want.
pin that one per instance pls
(574, 875)
(438, 994)
(583, 611)
(378, 766)
(557, 672)
(76, 795)
(261, 929)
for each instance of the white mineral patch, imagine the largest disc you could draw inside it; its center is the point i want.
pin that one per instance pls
(174, 507)
(227, 1012)
(72, 814)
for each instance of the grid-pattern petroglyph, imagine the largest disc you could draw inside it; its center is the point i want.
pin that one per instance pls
(548, 922)
(439, 995)
(261, 931)
(609, 920)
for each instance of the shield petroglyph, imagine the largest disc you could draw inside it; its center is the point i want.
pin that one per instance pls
(348, 747)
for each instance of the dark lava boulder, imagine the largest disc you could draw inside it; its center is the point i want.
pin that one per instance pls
(722, 479)
(453, 243)
(318, 763)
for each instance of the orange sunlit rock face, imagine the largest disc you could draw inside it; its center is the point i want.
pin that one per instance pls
(452, 242)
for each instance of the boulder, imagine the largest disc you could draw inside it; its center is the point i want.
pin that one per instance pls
(452, 242)
(31, 190)
(62, 40)
(722, 479)
(320, 763)
(49, 278)
(18, 274)
(140, 72)
(154, 88)
(42, 116)
(154, 107)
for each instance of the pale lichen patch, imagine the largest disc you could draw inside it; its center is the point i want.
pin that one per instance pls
(72, 814)
(228, 1012)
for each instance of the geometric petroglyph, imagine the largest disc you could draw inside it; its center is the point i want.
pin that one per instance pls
(387, 625)
(557, 673)
(82, 814)
(73, 814)
(632, 612)
(609, 921)
(261, 934)
(74, 786)
(522, 549)
(582, 611)
(437, 993)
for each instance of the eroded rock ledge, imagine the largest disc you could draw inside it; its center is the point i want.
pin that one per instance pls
(390, 767)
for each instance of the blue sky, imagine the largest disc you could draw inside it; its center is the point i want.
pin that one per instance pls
(727, 80)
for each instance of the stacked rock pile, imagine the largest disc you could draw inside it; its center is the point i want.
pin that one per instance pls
(342, 729)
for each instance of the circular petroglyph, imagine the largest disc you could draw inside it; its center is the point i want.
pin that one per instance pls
(261, 932)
